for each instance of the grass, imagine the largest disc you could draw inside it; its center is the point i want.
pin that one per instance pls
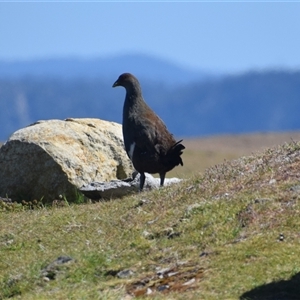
(202, 153)
(231, 232)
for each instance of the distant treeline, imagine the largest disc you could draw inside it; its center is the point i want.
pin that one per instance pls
(250, 102)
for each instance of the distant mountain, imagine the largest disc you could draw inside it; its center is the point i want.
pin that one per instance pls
(266, 101)
(189, 103)
(143, 66)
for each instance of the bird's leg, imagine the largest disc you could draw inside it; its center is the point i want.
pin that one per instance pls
(142, 181)
(162, 178)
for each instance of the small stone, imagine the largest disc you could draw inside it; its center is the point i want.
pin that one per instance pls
(203, 254)
(272, 181)
(163, 287)
(125, 274)
(51, 270)
(295, 188)
(6, 200)
(191, 281)
(146, 233)
(161, 273)
(46, 278)
(62, 260)
(172, 274)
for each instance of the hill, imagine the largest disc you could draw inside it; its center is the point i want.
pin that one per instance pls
(191, 103)
(231, 232)
(202, 153)
(144, 66)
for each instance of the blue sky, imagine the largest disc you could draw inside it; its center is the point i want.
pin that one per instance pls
(210, 36)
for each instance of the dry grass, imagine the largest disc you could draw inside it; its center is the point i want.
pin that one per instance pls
(202, 153)
(231, 232)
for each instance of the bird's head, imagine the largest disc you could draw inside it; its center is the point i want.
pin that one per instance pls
(126, 80)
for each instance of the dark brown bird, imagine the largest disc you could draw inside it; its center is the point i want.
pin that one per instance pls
(148, 143)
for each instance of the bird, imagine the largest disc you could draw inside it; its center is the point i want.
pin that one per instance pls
(148, 143)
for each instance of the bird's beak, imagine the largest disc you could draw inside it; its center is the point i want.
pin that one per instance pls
(116, 84)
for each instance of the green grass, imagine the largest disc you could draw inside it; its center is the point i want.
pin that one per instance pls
(229, 233)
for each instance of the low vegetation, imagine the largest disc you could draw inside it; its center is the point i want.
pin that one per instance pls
(231, 232)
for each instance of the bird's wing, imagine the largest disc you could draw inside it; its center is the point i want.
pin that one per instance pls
(152, 133)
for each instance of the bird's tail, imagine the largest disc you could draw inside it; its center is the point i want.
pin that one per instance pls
(175, 152)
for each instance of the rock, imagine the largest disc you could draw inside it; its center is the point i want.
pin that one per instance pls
(5, 200)
(125, 273)
(51, 271)
(56, 157)
(295, 188)
(120, 188)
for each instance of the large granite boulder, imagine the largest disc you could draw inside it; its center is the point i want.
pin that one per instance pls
(52, 158)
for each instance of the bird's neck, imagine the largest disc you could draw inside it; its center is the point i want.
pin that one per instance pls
(134, 97)
(134, 92)
(134, 105)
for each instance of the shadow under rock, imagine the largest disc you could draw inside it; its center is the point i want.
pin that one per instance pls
(277, 290)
